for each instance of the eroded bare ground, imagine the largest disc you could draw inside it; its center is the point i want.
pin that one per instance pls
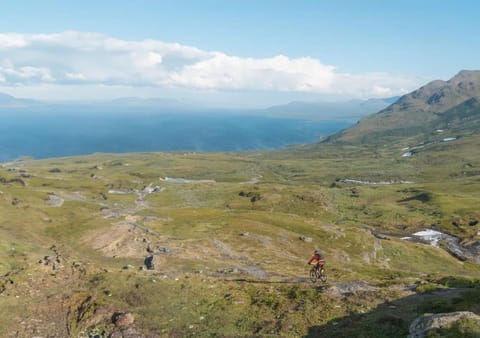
(51, 293)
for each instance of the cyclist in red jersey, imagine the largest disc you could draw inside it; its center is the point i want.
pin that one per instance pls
(317, 260)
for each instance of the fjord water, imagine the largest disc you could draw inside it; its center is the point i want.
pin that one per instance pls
(43, 135)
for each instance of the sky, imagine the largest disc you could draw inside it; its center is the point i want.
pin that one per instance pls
(245, 53)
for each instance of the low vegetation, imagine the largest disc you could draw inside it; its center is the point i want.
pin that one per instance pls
(229, 248)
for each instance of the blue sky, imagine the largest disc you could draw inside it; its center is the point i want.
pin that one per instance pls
(337, 49)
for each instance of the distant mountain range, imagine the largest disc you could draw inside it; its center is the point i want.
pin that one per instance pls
(448, 107)
(438, 109)
(342, 110)
(351, 110)
(8, 101)
(126, 104)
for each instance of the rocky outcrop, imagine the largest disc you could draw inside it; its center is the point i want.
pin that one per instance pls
(149, 262)
(342, 289)
(461, 249)
(123, 322)
(150, 189)
(428, 321)
(12, 180)
(123, 319)
(305, 239)
(253, 196)
(55, 261)
(54, 201)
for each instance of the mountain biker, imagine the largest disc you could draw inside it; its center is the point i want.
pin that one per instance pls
(317, 259)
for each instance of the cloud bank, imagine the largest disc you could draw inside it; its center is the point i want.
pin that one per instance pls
(92, 60)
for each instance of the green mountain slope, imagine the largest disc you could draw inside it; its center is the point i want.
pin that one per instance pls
(418, 114)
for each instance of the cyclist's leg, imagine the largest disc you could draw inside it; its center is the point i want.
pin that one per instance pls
(321, 270)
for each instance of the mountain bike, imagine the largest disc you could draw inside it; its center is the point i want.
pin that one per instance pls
(316, 274)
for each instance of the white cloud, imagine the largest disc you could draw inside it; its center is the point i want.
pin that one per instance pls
(92, 59)
(75, 76)
(374, 84)
(24, 75)
(276, 73)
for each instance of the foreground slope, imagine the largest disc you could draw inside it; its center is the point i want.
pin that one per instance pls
(229, 236)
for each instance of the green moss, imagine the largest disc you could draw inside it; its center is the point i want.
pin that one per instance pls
(428, 288)
(465, 328)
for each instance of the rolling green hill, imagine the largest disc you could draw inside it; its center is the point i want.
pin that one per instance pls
(216, 245)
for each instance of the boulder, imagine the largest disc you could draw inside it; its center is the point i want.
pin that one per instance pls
(13, 180)
(381, 236)
(149, 262)
(428, 321)
(54, 201)
(123, 319)
(305, 239)
(161, 249)
(342, 289)
(150, 189)
(149, 248)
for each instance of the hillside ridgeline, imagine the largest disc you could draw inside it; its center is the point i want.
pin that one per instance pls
(451, 106)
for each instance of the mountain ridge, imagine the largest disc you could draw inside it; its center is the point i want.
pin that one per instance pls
(416, 113)
(350, 110)
(10, 101)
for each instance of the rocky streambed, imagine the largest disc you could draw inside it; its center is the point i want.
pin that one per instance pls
(457, 247)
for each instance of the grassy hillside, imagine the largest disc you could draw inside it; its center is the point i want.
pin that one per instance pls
(450, 106)
(230, 244)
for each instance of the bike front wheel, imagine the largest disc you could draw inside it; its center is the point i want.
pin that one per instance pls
(313, 275)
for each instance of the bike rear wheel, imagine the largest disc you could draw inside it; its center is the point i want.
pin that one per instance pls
(313, 275)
